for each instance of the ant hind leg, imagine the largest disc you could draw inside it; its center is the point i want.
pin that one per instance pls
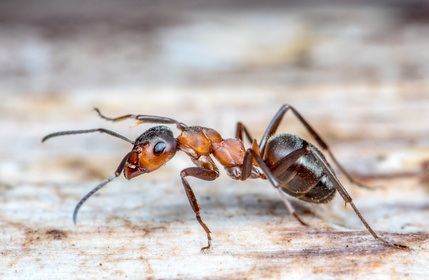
(274, 124)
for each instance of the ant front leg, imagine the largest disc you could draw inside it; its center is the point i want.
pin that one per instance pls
(274, 124)
(204, 174)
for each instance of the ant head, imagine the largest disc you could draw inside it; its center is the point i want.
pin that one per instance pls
(152, 149)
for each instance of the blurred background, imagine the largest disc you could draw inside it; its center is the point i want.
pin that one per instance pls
(356, 70)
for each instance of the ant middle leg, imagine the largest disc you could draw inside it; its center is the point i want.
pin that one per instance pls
(274, 124)
(204, 174)
(239, 132)
(284, 163)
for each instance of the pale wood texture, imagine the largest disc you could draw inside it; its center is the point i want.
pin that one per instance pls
(357, 73)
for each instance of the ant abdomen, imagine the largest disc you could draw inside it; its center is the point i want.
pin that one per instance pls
(304, 179)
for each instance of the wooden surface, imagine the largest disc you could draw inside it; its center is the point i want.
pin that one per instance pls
(357, 73)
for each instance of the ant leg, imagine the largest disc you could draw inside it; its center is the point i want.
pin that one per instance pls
(144, 119)
(239, 132)
(293, 157)
(204, 174)
(347, 198)
(286, 162)
(274, 124)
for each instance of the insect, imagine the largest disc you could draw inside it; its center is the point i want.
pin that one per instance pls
(293, 166)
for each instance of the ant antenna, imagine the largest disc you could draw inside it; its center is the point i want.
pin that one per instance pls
(144, 119)
(102, 184)
(105, 182)
(101, 130)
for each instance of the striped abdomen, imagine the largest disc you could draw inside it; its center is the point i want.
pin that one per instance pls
(304, 179)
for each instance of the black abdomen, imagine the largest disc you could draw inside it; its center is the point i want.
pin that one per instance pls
(305, 178)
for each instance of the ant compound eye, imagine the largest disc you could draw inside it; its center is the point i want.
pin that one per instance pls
(159, 148)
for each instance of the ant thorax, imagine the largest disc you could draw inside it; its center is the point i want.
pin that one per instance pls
(201, 142)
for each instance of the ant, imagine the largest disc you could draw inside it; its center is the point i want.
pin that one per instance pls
(292, 165)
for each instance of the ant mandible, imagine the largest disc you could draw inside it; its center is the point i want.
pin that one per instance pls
(292, 165)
